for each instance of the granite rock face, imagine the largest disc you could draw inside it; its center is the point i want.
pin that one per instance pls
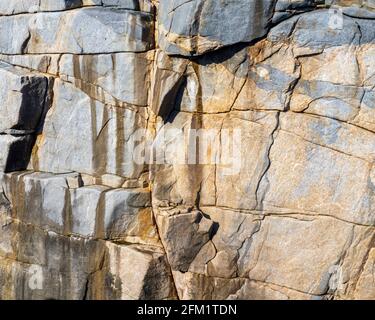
(179, 149)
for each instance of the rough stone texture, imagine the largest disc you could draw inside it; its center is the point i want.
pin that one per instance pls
(289, 214)
(86, 30)
(195, 27)
(33, 6)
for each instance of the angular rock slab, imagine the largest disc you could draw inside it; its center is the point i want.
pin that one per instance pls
(195, 27)
(86, 30)
(32, 6)
(260, 77)
(23, 96)
(216, 177)
(45, 265)
(314, 169)
(133, 273)
(128, 217)
(183, 236)
(320, 265)
(111, 78)
(15, 152)
(59, 203)
(312, 32)
(86, 136)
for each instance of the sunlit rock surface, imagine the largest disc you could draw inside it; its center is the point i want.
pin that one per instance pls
(92, 91)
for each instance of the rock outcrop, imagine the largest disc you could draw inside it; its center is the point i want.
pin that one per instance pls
(174, 149)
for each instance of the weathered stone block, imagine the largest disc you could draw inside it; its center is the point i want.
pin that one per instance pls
(23, 99)
(80, 31)
(15, 152)
(83, 135)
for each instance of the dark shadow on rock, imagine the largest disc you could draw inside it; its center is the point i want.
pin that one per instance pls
(170, 109)
(69, 4)
(19, 153)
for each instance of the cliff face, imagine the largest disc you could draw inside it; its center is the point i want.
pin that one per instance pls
(102, 196)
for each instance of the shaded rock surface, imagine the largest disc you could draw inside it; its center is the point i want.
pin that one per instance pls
(91, 89)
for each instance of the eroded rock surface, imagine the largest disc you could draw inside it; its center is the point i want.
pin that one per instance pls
(92, 89)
